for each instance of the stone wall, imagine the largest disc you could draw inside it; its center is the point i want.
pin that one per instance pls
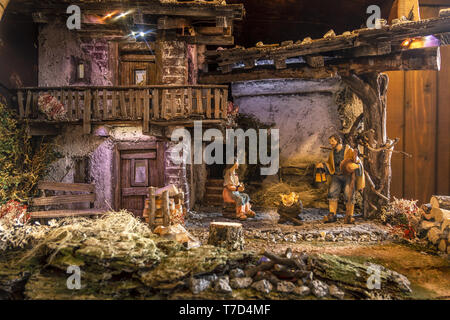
(305, 112)
(172, 62)
(176, 173)
(60, 50)
(100, 150)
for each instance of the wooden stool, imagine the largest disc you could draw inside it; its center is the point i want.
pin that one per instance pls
(229, 205)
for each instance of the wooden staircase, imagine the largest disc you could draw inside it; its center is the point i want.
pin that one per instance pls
(213, 194)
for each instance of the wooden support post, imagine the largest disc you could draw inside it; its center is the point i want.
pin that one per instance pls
(173, 104)
(95, 112)
(69, 105)
(155, 103)
(87, 112)
(227, 68)
(189, 105)
(105, 106)
(216, 103)
(152, 198)
(199, 101)
(249, 64)
(165, 208)
(34, 106)
(182, 101)
(315, 61)
(280, 63)
(123, 106)
(77, 105)
(146, 112)
(20, 101)
(28, 103)
(113, 104)
(131, 103)
(225, 104)
(208, 103)
(164, 104)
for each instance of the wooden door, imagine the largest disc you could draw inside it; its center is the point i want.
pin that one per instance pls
(139, 167)
(137, 70)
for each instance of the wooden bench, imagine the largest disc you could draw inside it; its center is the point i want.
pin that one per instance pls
(88, 195)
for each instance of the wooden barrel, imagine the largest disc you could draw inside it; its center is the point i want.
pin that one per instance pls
(3, 4)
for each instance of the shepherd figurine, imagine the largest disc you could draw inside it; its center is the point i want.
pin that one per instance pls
(346, 172)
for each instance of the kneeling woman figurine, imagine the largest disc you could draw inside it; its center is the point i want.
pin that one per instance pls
(234, 188)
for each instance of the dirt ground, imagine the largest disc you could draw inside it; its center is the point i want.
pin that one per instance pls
(428, 271)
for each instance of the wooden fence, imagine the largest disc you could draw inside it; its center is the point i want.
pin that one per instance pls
(149, 103)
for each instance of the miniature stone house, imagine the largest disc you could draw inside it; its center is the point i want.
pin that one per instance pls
(126, 81)
(131, 75)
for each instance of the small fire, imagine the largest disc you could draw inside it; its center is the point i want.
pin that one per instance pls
(420, 42)
(289, 199)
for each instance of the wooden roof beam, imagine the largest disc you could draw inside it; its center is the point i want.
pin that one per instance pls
(416, 59)
(204, 11)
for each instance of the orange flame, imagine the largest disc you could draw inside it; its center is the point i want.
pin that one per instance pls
(289, 199)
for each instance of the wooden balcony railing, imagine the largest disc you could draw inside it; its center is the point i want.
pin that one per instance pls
(149, 104)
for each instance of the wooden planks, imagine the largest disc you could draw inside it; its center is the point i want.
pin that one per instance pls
(59, 186)
(140, 155)
(146, 112)
(420, 121)
(208, 104)
(155, 103)
(443, 125)
(104, 112)
(66, 213)
(87, 112)
(199, 101)
(225, 104)
(361, 38)
(20, 102)
(69, 105)
(77, 105)
(123, 106)
(98, 104)
(395, 127)
(135, 191)
(189, 102)
(65, 199)
(28, 103)
(95, 105)
(164, 104)
(114, 104)
(216, 103)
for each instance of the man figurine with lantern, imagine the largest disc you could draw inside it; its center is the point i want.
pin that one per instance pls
(347, 174)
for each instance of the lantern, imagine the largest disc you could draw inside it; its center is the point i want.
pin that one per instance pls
(320, 175)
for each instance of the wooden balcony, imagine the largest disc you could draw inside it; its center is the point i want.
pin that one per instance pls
(158, 105)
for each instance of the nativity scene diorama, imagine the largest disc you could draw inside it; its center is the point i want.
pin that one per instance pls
(110, 114)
